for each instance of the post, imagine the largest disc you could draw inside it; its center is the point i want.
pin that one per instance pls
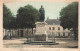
(18, 33)
(53, 37)
(10, 33)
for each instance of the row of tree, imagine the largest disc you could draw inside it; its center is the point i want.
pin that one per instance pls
(26, 17)
(69, 18)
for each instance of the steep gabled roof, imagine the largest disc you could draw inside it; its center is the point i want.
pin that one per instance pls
(53, 21)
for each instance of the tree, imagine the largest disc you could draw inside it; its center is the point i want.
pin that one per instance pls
(6, 17)
(9, 22)
(69, 17)
(12, 24)
(26, 17)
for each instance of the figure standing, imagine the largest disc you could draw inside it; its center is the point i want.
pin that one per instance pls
(41, 14)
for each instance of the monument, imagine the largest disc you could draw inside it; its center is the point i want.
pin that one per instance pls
(41, 36)
(41, 31)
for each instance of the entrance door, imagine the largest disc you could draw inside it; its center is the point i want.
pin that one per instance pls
(21, 33)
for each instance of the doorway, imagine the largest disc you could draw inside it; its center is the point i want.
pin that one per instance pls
(21, 33)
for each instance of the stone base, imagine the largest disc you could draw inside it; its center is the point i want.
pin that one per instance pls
(41, 37)
(41, 43)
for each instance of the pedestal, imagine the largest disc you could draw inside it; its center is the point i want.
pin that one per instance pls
(41, 32)
(41, 36)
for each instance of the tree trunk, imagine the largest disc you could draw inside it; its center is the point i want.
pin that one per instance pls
(10, 33)
(18, 33)
(27, 33)
(75, 34)
(32, 34)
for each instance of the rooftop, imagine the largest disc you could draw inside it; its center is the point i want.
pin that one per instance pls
(53, 21)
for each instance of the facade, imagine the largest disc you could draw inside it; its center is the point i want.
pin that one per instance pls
(17, 33)
(55, 29)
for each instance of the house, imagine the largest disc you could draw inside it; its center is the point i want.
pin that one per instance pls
(55, 29)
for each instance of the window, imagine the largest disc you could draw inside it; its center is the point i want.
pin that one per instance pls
(58, 28)
(49, 28)
(53, 28)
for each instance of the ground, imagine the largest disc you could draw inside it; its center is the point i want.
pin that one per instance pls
(19, 43)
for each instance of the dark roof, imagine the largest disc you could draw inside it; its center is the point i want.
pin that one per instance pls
(53, 21)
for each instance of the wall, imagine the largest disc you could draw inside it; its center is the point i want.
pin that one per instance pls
(57, 31)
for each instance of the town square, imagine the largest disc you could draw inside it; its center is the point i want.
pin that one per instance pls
(40, 25)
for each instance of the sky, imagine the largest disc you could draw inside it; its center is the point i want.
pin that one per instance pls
(52, 9)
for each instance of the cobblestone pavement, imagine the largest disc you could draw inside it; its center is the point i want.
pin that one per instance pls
(19, 43)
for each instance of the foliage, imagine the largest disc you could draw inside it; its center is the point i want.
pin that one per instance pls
(69, 16)
(13, 24)
(9, 22)
(27, 16)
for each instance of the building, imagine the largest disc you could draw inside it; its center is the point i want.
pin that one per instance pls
(17, 33)
(55, 29)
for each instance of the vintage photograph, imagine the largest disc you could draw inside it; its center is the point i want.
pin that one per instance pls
(40, 25)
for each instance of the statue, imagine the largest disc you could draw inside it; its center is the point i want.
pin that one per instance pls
(41, 14)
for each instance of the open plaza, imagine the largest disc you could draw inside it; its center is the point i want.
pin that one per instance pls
(30, 29)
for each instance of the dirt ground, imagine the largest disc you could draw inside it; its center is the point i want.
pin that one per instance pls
(19, 43)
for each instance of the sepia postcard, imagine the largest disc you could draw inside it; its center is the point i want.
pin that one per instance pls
(39, 25)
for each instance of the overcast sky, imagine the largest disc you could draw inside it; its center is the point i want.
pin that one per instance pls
(52, 9)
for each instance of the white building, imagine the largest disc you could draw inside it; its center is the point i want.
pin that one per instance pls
(54, 28)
